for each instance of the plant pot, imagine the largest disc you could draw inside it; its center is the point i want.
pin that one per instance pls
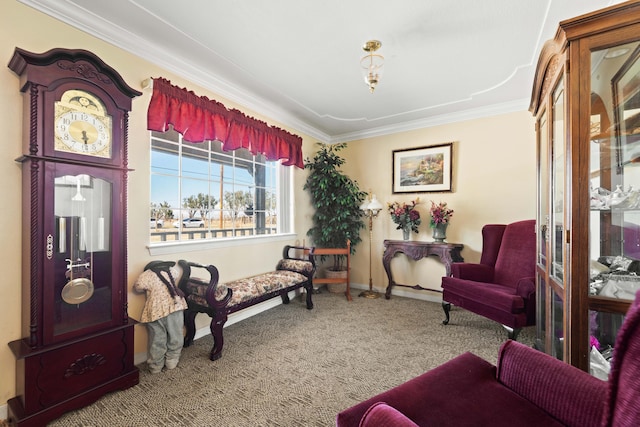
(336, 288)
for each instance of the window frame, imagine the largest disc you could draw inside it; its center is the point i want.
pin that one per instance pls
(284, 205)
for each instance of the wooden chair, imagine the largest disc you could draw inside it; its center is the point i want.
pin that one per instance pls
(317, 252)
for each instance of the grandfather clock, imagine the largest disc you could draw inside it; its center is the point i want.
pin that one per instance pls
(78, 338)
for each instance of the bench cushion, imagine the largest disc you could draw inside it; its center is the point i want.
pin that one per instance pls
(301, 266)
(244, 289)
(252, 287)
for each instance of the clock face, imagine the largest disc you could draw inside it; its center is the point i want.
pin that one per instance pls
(82, 125)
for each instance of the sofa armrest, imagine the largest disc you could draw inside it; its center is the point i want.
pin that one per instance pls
(381, 414)
(570, 395)
(470, 271)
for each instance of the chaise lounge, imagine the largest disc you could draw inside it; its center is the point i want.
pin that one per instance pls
(525, 388)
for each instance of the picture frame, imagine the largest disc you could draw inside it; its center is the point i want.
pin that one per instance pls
(423, 169)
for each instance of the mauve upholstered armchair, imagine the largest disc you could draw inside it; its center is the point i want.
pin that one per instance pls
(502, 286)
(525, 388)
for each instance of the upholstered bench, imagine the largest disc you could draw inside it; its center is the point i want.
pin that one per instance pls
(295, 270)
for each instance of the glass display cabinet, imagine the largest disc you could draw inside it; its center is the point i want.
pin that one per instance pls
(586, 100)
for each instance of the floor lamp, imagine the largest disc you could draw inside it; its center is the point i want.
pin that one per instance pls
(371, 207)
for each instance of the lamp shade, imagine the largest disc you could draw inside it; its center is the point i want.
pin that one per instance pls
(372, 67)
(372, 64)
(372, 205)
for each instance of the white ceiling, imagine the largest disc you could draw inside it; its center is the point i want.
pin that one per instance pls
(297, 61)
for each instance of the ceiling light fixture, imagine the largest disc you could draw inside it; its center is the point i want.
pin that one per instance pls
(372, 64)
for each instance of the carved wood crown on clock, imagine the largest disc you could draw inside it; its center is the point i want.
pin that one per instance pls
(76, 63)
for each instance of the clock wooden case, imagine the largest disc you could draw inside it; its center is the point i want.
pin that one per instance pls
(78, 338)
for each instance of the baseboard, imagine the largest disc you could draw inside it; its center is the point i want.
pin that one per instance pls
(3, 414)
(424, 295)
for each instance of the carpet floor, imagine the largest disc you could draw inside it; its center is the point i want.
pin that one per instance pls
(290, 366)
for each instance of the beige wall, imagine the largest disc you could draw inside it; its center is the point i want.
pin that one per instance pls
(493, 182)
(21, 26)
(493, 168)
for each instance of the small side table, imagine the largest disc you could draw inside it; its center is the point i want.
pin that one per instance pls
(446, 252)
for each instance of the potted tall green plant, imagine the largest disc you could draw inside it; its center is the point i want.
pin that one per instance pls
(336, 199)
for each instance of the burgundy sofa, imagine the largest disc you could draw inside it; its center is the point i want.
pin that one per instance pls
(525, 388)
(502, 286)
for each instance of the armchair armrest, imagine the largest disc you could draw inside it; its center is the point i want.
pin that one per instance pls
(526, 287)
(570, 395)
(470, 271)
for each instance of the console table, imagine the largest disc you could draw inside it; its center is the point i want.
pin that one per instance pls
(447, 252)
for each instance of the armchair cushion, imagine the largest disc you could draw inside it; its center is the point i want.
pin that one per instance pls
(498, 303)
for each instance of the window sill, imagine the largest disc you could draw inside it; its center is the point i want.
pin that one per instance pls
(192, 246)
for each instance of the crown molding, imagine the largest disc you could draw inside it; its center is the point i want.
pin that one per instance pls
(117, 36)
(458, 116)
(74, 15)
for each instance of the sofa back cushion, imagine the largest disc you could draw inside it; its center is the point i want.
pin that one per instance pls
(517, 255)
(623, 407)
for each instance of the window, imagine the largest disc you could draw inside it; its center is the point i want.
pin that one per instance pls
(201, 192)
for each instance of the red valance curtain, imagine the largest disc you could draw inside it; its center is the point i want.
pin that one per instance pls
(199, 119)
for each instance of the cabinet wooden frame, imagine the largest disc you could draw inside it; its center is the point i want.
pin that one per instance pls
(565, 297)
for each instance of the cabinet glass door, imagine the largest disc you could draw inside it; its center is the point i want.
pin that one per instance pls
(614, 224)
(556, 289)
(542, 232)
(557, 184)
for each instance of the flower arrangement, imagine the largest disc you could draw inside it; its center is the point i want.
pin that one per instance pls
(440, 214)
(405, 215)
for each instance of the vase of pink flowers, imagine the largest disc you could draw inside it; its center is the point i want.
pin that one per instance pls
(440, 217)
(405, 216)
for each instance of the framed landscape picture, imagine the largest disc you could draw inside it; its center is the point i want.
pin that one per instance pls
(423, 169)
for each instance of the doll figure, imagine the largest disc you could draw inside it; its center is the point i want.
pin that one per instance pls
(163, 314)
